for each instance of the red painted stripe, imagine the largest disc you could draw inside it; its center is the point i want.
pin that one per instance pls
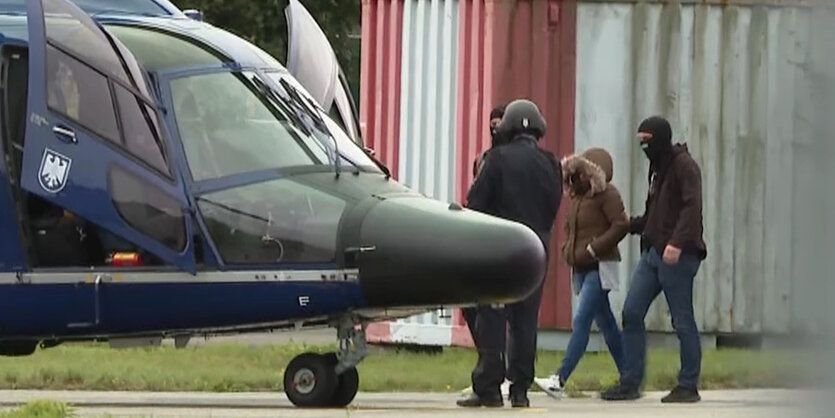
(378, 332)
(461, 336)
(566, 61)
(471, 131)
(382, 24)
(367, 77)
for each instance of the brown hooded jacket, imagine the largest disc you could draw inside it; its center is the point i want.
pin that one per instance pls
(595, 217)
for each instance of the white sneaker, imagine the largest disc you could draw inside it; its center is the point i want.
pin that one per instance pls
(550, 385)
(505, 389)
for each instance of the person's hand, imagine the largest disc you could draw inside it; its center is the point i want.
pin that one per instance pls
(671, 254)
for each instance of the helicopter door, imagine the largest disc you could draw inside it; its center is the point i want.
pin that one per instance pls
(94, 143)
(311, 60)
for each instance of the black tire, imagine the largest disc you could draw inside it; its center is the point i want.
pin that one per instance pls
(310, 381)
(347, 386)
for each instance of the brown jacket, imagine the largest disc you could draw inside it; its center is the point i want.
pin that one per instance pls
(598, 216)
(673, 214)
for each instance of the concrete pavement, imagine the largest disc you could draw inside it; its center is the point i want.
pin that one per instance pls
(744, 403)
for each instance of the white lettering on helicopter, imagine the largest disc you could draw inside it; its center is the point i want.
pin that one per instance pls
(304, 300)
(54, 171)
(37, 119)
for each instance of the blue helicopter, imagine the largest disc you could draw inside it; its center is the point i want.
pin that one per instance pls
(163, 178)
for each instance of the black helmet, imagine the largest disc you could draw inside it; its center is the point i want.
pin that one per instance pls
(522, 117)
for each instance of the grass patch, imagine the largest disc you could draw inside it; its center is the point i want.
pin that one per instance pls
(235, 368)
(39, 409)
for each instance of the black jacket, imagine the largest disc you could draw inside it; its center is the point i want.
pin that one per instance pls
(520, 182)
(673, 209)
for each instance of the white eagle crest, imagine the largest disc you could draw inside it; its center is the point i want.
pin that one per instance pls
(54, 171)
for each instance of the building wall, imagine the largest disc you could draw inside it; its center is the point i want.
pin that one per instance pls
(458, 59)
(428, 97)
(734, 78)
(531, 55)
(813, 191)
(382, 23)
(731, 80)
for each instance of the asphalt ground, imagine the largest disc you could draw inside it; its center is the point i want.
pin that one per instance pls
(733, 403)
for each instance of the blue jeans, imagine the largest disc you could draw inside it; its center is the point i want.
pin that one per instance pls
(651, 276)
(593, 305)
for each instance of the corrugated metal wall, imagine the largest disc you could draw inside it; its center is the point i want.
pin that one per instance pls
(532, 55)
(733, 79)
(509, 50)
(474, 93)
(500, 50)
(813, 224)
(382, 22)
(408, 112)
(732, 83)
(428, 99)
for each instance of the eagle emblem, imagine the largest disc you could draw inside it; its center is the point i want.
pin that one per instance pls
(54, 171)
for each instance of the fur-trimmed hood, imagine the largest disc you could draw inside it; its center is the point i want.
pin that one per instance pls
(595, 163)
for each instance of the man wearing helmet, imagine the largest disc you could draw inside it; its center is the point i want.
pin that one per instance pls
(521, 182)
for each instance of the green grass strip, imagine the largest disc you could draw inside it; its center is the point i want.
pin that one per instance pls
(238, 367)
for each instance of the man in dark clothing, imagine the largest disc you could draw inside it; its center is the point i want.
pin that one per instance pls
(520, 182)
(495, 117)
(495, 138)
(672, 250)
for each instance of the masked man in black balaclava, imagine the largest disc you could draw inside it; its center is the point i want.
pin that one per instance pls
(495, 137)
(672, 249)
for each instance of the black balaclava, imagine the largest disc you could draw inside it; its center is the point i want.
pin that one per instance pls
(496, 138)
(660, 146)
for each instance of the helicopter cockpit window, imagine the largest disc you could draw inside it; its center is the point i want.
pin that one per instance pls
(65, 27)
(278, 221)
(82, 70)
(141, 128)
(80, 93)
(227, 126)
(158, 50)
(148, 209)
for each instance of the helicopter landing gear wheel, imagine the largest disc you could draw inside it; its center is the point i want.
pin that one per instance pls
(347, 386)
(328, 380)
(310, 380)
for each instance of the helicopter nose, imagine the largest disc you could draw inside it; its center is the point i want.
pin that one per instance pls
(426, 252)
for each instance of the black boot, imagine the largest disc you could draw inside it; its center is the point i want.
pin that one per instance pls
(682, 395)
(519, 400)
(475, 401)
(620, 393)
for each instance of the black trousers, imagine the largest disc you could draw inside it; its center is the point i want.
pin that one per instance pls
(490, 338)
(470, 316)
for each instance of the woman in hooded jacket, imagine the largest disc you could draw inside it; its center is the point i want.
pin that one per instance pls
(596, 223)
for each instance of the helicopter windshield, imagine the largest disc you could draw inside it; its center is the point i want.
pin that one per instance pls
(228, 126)
(236, 122)
(347, 147)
